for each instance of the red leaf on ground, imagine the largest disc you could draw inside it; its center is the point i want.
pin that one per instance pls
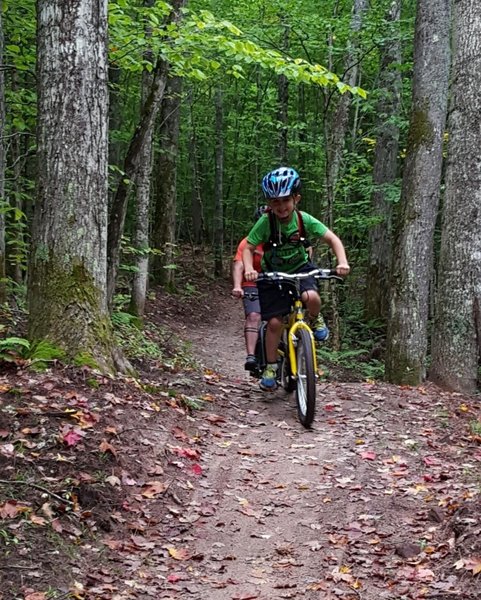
(196, 469)
(185, 452)
(71, 438)
(368, 455)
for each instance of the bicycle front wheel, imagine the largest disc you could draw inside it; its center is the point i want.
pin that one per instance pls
(306, 379)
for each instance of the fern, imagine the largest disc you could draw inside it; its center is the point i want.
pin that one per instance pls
(12, 348)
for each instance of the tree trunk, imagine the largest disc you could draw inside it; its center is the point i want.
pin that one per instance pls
(132, 164)
(163, 234)
(67, 277)
(196, 198)
(337, 124)
(218, 237)
(384, 172)
(335, 130)
(3, 287)
(142, 201)
(283, 105)
(413, 247)
(133, 159)
(457, 326)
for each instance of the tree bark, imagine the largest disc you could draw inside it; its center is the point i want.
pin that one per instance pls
(337, 124)
(196, 198)
(3, 287)
(384, 172)
(142, 201)
(218, 237)
(163, 231)
(67, 277)
(283, 105)
(132, 162)
(335, 130)
(413, 248)
(456, 333)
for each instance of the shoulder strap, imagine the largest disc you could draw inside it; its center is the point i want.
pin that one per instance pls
(274, 235)
(302, 230)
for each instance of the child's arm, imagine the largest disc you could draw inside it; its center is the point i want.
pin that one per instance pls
(237, 276)
(250, 274)
(331, 239)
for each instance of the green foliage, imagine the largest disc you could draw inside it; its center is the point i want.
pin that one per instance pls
(13, 348)
(85, 359)
(351, 360)
(37, 355)
(141, 343)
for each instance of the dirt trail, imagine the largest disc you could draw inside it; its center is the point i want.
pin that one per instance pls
(340, 511)
(380, 500)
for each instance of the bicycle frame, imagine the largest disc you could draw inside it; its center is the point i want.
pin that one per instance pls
(297, 361)
(295, 322)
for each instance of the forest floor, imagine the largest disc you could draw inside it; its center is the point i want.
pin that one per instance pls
(190, 483)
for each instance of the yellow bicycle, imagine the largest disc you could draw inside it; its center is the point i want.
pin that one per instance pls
(297, 364)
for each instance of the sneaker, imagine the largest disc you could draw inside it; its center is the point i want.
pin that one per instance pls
(268, 381)
(251, 363)
(319, 329)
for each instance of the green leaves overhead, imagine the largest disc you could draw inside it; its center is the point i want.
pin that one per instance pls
(202, 44)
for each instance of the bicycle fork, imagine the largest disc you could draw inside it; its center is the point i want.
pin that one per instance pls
(299, 323)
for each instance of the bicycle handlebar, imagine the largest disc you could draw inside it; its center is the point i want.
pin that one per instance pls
(317, 273)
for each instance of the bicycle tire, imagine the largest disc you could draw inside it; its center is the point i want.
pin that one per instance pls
(306, 379)
(287, 381)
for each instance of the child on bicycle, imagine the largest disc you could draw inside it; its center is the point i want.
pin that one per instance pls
(285, 250)
(247, 290)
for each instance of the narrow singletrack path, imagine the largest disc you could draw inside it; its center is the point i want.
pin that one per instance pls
(343, 510)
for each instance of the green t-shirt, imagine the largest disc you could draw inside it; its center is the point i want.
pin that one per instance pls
(289, 255)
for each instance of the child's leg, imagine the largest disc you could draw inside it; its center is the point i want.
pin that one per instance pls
(273, 337)
(312, 302)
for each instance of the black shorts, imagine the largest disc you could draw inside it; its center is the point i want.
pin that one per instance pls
(251, 299)
(276, 297)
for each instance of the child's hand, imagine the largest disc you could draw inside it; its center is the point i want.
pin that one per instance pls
(237, 292)
(343, 269)
(250, 275)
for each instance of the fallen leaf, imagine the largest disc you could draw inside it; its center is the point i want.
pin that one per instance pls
(71, 438)
(368, 455)
(196, 469)
(106, 447)
(185, 452)
(178, 554)
(38, 520)
(154, 488)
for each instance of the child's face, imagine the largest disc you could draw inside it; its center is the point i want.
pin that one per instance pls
(284, 207)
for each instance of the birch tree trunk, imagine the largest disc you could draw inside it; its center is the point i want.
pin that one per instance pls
(135, 153)
(3, 287)
(335, 130)
(457, 327)
(384, 172)
(142, 201)
(283, 105)
(337, 124)
(218, 237)
(132, 164)
(163, 230)
(67, 276)
(413, 248)
(196, 198)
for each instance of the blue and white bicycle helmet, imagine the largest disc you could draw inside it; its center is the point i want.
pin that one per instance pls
(281, 182)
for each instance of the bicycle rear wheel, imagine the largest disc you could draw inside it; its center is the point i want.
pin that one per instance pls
(306, 379)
